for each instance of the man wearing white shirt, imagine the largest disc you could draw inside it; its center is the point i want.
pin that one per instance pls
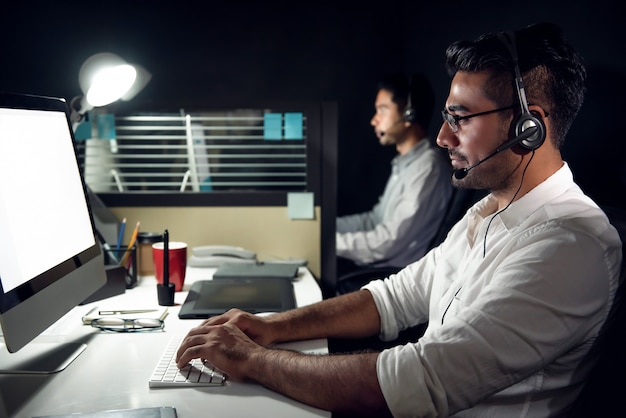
(516, 295)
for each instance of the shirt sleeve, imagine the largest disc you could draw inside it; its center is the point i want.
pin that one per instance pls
(357, 222)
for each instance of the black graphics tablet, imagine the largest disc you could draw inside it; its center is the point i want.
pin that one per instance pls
(214, 297)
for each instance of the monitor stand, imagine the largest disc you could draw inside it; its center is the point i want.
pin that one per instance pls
(39, 357)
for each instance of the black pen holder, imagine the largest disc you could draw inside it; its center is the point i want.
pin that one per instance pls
(125, 257)
(165, 294)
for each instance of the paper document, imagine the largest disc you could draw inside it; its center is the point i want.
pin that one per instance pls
(134, 313)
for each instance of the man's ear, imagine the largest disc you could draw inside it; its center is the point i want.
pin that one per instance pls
(538, 111)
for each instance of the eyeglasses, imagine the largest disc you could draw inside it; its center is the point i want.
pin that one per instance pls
(128, 325)
(453, 120)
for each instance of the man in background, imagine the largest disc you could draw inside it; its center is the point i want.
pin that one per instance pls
(399, 229)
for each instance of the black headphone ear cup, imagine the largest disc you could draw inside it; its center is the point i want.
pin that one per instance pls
(526, 121)
(409, 115)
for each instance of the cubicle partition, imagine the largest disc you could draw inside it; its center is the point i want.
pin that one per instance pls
(261, 177)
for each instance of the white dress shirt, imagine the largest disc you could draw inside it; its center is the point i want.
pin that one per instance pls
(513, 307)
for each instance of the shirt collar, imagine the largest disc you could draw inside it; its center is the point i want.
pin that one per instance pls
(555, 185)
(413, 152)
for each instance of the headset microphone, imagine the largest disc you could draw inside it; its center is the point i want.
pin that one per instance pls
(462, 172)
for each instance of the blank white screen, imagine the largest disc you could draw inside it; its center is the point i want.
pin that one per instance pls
(44, 218)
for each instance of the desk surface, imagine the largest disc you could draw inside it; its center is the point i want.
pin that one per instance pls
(113, 371)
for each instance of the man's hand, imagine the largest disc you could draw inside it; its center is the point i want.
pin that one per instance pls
(237, 343)
(223, 345)
(258, 328)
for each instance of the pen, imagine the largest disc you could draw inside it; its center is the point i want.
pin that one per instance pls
(106, 246)
(126, 311)
(121, 235)
(166, 259)
(133, 238)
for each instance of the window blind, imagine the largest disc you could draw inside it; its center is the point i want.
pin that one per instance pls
(238, 150)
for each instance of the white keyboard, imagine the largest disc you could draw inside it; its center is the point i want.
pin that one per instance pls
(197, 373)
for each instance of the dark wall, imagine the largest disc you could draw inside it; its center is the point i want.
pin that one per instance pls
(233, 53)
(595, 146)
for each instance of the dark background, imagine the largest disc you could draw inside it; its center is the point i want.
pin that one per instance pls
(233, 53)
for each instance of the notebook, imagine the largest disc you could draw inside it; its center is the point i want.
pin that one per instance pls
(256, 270)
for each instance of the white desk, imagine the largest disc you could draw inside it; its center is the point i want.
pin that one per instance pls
(113, 371)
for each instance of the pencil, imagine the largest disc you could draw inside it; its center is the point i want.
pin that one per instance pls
(133, 238)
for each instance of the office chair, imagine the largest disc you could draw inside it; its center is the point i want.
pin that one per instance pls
(603, 393)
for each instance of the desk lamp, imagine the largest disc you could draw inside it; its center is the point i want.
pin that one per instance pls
(103, 79)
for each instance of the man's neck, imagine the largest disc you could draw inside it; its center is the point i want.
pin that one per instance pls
(406, 145)
(528, 181)
(413, 134)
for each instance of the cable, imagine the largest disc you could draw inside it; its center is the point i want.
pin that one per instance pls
(508, 204)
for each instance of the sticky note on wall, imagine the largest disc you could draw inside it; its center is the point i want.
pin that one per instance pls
(106, 126)
(293, 125)
(272, 126)
(300, 205)
(83, 130)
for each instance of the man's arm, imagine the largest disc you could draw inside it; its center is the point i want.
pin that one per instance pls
(341, 383)
(358, 221)
(234, 343)
(353, 315)
(345, 383)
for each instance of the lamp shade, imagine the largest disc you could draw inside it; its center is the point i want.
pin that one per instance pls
(105, 78)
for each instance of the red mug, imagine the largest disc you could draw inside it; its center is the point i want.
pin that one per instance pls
(177, 263)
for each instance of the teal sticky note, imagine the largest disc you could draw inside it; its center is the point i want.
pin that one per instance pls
(301, 205)
(272, 126)
(293, 125)
(106, 126)
(83, 130)
(206, 185)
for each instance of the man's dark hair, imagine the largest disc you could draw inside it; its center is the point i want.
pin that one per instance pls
(553, 72)
(422, 95)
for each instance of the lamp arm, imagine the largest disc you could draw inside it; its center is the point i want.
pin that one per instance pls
(78, 108)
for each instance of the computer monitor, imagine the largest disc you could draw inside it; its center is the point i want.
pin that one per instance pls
(50, 260)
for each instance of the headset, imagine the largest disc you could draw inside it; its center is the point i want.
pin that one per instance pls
(527, 119)
(409, 114)
(528, 129)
